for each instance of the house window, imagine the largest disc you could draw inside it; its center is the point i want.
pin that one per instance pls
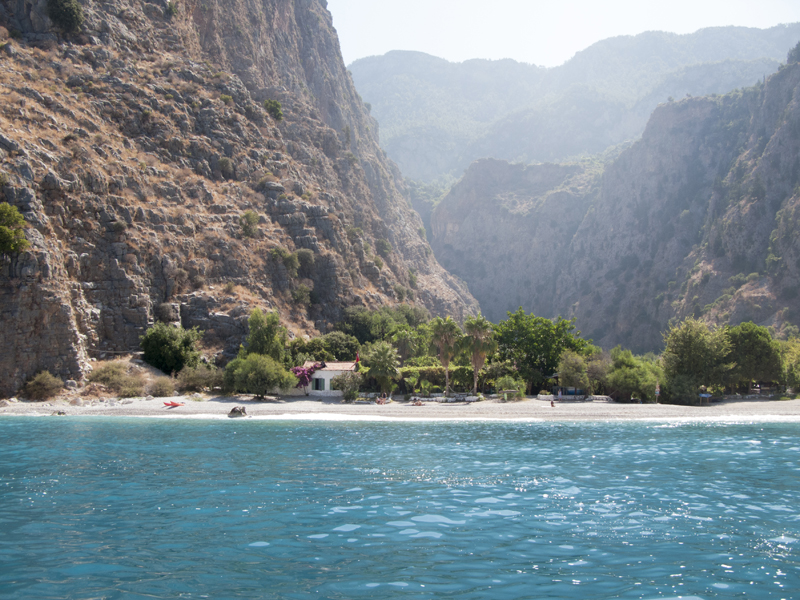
(318, 384)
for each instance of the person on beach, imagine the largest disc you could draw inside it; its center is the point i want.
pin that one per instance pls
(552, 404)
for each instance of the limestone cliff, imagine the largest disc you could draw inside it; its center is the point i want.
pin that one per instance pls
(699, 217)
(134, 146)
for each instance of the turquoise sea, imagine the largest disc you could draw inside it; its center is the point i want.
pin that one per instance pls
(140, 508)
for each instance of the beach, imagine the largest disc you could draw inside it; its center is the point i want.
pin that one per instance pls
(205, 406)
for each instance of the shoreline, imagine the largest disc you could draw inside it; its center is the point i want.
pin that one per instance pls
(208, 407)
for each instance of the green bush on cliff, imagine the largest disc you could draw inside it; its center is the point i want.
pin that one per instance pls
(43, 386)
(249, 223)
(273, 107)
(66, 14)
(12, 238)
(170, 348)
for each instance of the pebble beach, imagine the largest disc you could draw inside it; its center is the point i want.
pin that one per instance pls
(198, 406)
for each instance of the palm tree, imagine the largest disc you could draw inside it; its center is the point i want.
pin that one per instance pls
(446, 337)
(478, 342)
(404, 339)
(382, 361)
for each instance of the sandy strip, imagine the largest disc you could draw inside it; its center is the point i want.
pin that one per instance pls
(216, 407)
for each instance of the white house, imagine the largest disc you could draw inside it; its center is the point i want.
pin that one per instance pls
(321, 379)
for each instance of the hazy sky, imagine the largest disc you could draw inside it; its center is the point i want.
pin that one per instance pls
(544, 33)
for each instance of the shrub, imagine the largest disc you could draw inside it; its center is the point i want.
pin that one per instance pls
(302, 295)
(412, 278)
(305, 258)
(273, 108)
(170, 348)
(116, 378)
(199, 378)
(226, 167)
(43, 386)
(229, 287)
(506, 382)
(162, 387)
(256, 374)
(378, 262)
(348, 383)
(66, 14)
(383, 247)
(249, 222)
(171, 10)
(226, 99)
(12, 238)
(290, 259)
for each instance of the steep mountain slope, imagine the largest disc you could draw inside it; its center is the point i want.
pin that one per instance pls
(134, 147)
(437, 117)
(698, 218)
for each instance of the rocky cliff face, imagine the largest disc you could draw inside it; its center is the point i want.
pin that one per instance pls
(698, 218)
(134, 147)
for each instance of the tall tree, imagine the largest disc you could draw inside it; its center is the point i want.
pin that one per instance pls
(405, 340)
(381, 362)
(266, 336)
(479, 342)
(535, 344)
(695, 355)
(446, 335)
(754, 354)
(572, 370)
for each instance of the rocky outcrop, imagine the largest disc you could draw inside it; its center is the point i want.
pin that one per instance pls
(134, 147)
(697, 218)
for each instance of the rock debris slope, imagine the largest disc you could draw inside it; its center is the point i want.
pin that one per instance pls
(134, 146)
(699, 217)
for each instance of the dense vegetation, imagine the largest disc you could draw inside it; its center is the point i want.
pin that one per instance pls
(402, 349)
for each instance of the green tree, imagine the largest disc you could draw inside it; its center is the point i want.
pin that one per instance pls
(535, 344)
(697, 354)
(405, 340)
(66, 14)
(170, 348)
(340, 345)
(383, 247)
(266, 336)
(478, 342)
(633, 376)
(348, 383)
(790, 362)
(256, 374)
(249, 223)
(382, 363)
(446, 336)
(755, 356)
(274, 109)
(573, 371)
(12, 237)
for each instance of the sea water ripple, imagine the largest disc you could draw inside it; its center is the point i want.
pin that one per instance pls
(145, 508)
